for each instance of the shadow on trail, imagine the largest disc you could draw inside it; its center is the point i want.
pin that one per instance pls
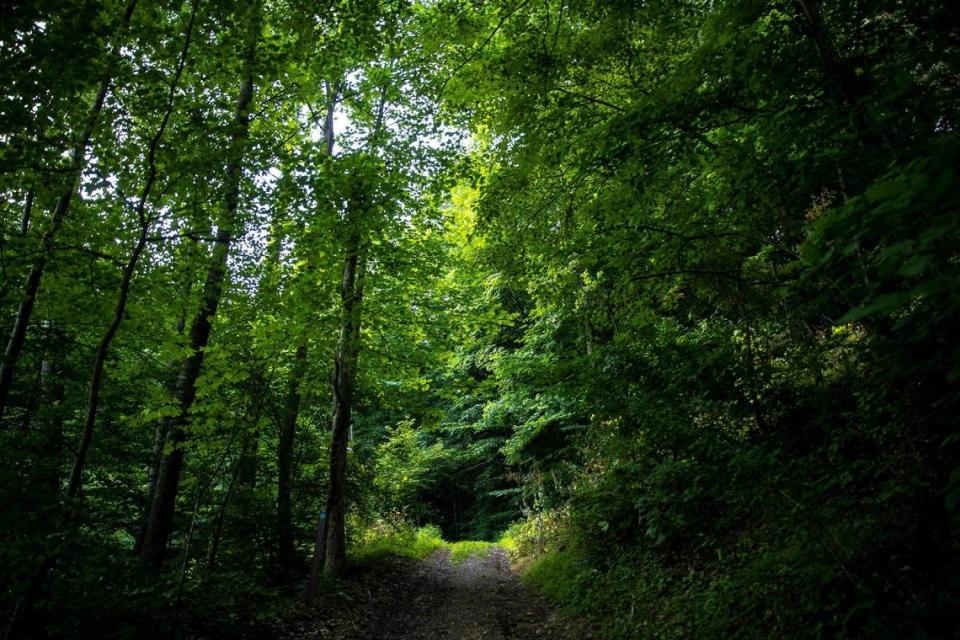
(435, 599)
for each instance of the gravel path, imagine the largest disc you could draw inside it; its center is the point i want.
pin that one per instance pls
(477, 599)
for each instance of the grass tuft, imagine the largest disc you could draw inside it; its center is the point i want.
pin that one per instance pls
(466, 549)
(381, 541)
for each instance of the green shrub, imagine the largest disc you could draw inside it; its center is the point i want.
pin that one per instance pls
(383, 539)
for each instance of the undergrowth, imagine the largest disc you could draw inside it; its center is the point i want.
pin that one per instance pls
(382, 540)
(379, 541)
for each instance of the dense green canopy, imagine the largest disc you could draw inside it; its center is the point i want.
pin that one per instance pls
(663, 294)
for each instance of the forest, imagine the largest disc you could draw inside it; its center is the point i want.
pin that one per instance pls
(509, 319)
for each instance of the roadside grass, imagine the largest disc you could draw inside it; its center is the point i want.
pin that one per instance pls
(378, 542)
(466, 549)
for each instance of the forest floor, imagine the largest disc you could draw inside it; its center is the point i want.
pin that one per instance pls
(480, 598)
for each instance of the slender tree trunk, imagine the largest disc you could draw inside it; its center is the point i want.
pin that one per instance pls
(50, 416)
(217, 534)
(160, 521)
(316, 564)
(248, 457)
(288, 430)
(47, 470)
(160, 434)
(156, 455)
(812, 20)
(33, 403)
(294, 382)
(27, 213)
(103, 348)
(188, 539)
(333, 527)
(846, 87)
(25, 216)
(268, 293)
(351, 293)
(18, 334)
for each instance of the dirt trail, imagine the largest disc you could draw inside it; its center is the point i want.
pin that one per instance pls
(477, 599)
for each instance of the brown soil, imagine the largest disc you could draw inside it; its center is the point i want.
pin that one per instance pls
(478, 599)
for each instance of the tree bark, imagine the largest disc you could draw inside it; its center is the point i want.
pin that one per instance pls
(295, 381)
(34, 401)
(25, 215)
(27, 212)
(351, 295)
(846, 87)
(160, 432)
(247, 476)
(334, 551)
(50, 417)
(103, 348)
(217, 534)
(160, 521)
(18, 334)
(288, 430)
(156, 455)
(316, 564)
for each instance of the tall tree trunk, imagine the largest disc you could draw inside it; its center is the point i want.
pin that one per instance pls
(27, 212)
(49, 560)
(348, 344)
(103, 348)
(292, 404)
(813, 25)
(846, 87)
(160, 520)
(160, 432)
(247, 476)
(34, 401)
(333, 525)
(49, 415)
(25, 215)
(18, 334)
(217, 534)
(52, 394)
(288, 430)
(316, 564)
(268, 294)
